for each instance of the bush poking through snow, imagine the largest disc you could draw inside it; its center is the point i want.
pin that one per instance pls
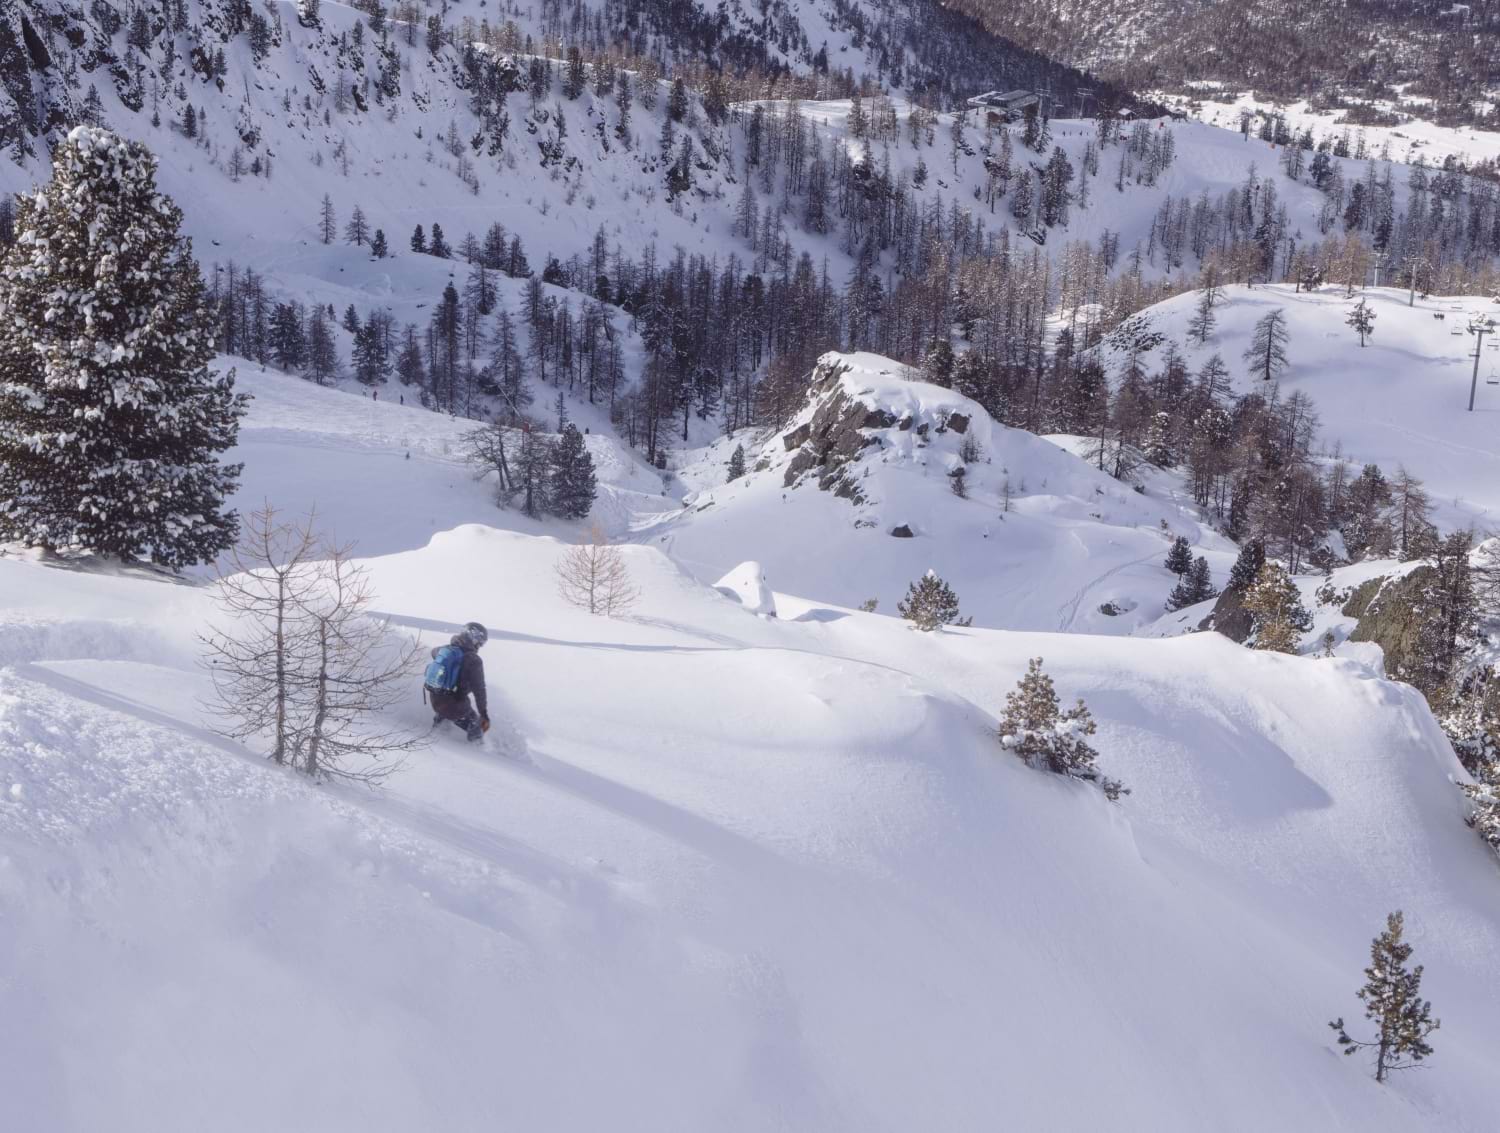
(1392, 995)
(931, 604)
(1052, 739)
(594, 576)
(299, 660)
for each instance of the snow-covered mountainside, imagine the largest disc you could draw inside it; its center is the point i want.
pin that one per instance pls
(856, 498)
(1368, 60)
(749, 851)
(718, 870)
(1401, 399)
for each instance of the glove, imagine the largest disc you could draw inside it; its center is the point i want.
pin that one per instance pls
(484, 723)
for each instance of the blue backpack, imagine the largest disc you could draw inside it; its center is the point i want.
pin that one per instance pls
(444, 669)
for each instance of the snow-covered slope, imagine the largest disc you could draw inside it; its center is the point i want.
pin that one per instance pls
(461, 142)
(1401, 400)
(1043, 540)
(714, 870)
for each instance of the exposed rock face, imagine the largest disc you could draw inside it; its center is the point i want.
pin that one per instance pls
(834, 437)
(1393, 615)
(1359, 601)
(1230, 617)
(902, 532)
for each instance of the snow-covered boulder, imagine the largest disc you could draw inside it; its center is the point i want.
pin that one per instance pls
(746, 584)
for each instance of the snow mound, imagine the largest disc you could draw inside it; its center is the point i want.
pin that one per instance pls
(747, 585)
(859, 494)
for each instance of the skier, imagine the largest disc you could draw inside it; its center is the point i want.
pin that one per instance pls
(455, 673)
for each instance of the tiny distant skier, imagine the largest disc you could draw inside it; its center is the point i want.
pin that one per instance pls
(454, 674)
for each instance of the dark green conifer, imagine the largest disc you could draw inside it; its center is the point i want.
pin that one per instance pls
(111, 422)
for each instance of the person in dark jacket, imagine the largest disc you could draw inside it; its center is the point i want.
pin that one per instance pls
(454, 706)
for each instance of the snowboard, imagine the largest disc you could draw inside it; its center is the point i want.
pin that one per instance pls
(502, 740)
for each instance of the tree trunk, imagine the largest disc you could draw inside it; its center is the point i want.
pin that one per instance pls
(320, 713)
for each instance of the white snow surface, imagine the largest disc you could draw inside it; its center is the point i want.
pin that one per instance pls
(720, 871)
(747, 585)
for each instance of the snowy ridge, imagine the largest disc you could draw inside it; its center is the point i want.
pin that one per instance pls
(1043, 540)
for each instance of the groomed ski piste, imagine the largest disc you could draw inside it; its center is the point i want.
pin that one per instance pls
(713, 870)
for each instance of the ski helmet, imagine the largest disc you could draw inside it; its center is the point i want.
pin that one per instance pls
(477, 633)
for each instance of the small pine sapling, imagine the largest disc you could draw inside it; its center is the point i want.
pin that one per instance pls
(1392, 995)
(931, 604)
(1051, 739)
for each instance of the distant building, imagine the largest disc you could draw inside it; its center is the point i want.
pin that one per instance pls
(1004, 106)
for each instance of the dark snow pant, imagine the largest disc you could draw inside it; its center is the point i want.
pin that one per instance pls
(456, 709)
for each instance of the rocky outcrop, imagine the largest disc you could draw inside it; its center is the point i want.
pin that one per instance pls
(1393, 614)
(834, 437)
(1230, 617)
(1359, 601)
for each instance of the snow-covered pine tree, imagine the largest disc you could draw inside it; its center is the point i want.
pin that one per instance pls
(371, 362)
(736, 464)
(571, 483)
(1195, 586)
(1276, 605)
(1201, 581)
(1247, 566)
(110, 420)
(1180, 557)
(1049, 738)
(931, 604)
(1393, 999)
